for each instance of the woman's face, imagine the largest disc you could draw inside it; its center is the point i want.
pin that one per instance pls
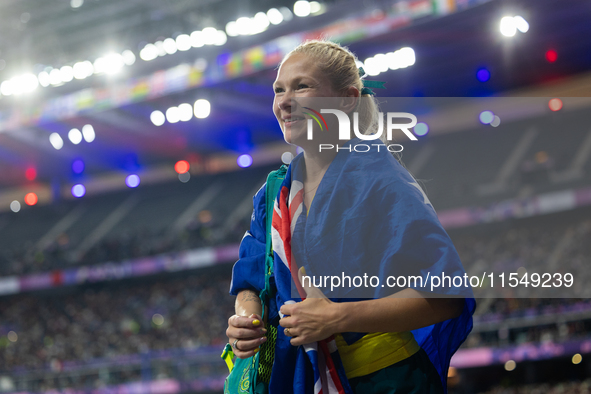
(298, 76)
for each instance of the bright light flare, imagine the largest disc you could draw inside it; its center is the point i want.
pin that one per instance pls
(170, 46)
(209, 35)
(83, 69)
(56, 141)
(78, 191)
(128, 57)
(75, 136)
(88, 133)
(15, 206)
(149, 52)
(132, 181)
(31, 199)
(507, 26)
(185, 112)
(182, 166)
(173, 115)
(183, 42)
(202, 108)
(521, 24)
(302, 8)
(244, 161)
(157, 118)
(555, 104)
(275, 16)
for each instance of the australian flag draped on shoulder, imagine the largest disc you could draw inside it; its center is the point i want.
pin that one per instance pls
(369, 222)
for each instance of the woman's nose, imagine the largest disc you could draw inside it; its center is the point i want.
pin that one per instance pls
(284, 102)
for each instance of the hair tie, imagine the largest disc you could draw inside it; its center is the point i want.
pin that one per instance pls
(367, 85)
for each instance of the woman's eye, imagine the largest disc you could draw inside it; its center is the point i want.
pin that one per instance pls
(278, 90)
(302, 86)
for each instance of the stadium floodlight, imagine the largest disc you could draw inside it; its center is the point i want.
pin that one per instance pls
(149, 52)
(160, 48)
(507, 26)
(128, 57)
(202, 108)
(408, 56)
(132, 181)
(22, 84)
(31, 199)
(371, 66)
(157, 118)
(244, 161)
(43, 78)
(182, 166)
(56, 141)
(521, 24)
(83, 69)
(393, 59)
(209, 35)
(197, 39)
(88, 133)
(221, 38)
(66, 73)
(486, 117)
(496, 121)
(78, 190)
(15, 206)
(55, 77)
(173, 115)
(286, 157)
(169, 46)
(315, 7)
(244, 26)
(185, 112)
(302, 8)
(260, 22)
(421, 129)
(275, 16)
(29, 82)
(75, 136)
(113, 63)
(184, 177)
(183, 42)
(6, 88)
(232, 29)
(381, 62)
(287, 14)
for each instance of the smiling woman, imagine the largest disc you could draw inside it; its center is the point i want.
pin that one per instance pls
(344, 212)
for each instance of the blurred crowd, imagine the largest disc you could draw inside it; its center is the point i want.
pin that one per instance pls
(204, 231)
(37, 331)
(578, 387)
(190, 310)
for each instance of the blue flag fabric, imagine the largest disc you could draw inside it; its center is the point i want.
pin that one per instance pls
(368, 216)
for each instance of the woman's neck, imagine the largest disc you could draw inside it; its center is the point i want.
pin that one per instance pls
(316, 165)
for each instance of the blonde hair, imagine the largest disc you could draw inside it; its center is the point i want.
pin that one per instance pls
(339, 64)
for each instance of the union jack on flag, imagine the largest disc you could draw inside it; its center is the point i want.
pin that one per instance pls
(329, 375)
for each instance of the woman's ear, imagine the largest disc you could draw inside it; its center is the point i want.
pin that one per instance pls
(350, 99)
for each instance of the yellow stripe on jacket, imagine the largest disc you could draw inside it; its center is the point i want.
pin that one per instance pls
(375, 351)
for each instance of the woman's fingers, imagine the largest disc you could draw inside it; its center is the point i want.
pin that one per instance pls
(244, 348)
(250, 333)
(245, 333)
(252, 321)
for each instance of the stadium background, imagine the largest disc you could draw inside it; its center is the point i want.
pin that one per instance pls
(133, 135)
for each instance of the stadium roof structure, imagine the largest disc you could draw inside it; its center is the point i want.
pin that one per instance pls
(452, 40)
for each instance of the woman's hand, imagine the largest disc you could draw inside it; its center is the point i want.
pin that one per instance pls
(246, 334)
(311, 320)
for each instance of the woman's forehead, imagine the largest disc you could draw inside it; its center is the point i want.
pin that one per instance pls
(297, 66)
